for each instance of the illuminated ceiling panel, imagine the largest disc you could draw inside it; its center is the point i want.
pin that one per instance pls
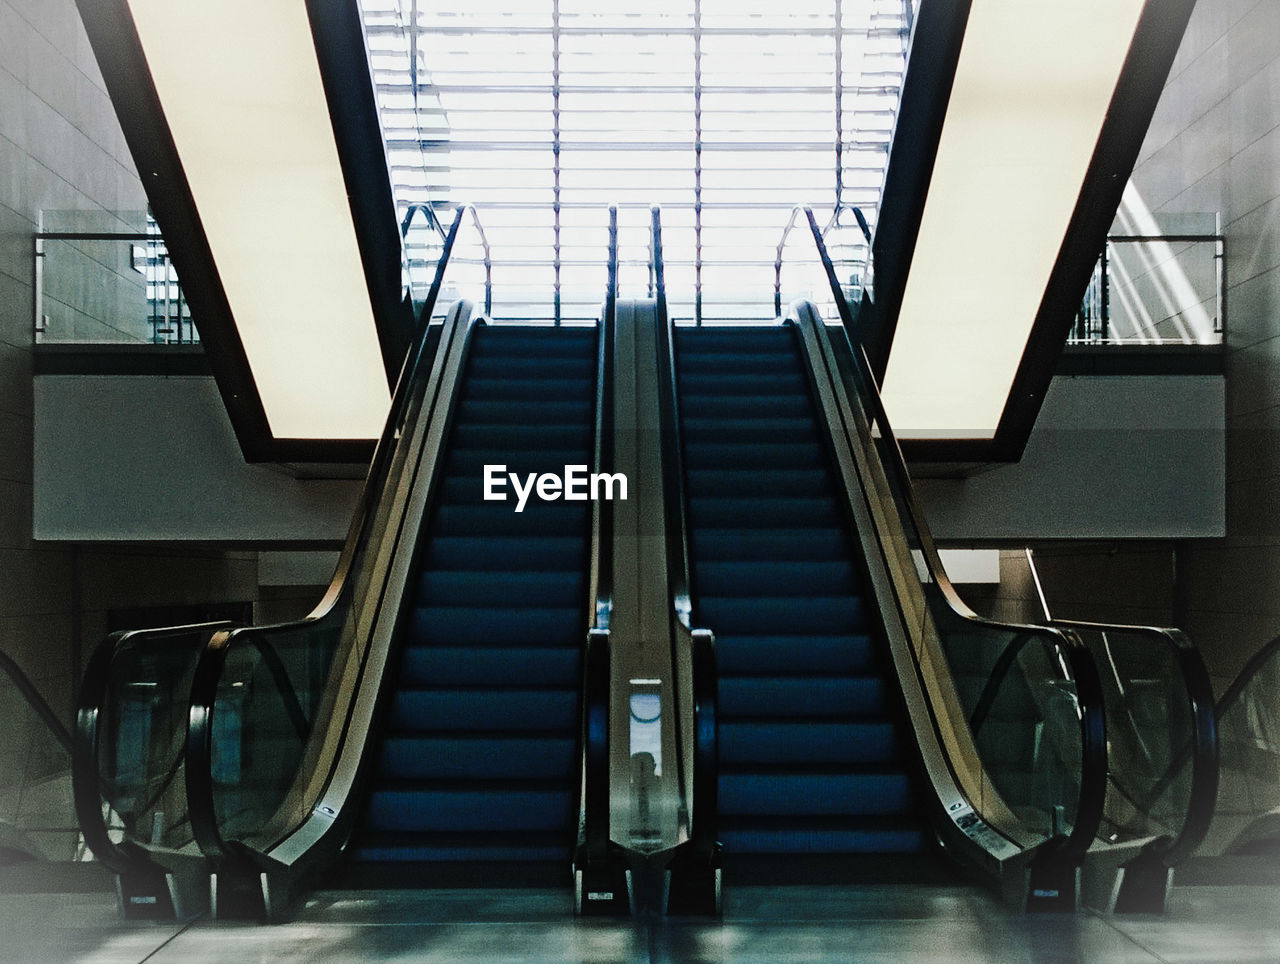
(242, 95)
(1032, 89)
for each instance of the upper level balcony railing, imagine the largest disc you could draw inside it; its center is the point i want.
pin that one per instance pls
(1156, 290)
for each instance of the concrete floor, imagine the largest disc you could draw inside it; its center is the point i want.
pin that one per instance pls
(900, 923)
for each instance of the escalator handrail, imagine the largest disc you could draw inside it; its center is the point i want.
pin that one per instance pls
(36, 701)
(596, 659)
(705, 788)
(446, 236)
(1093, 774)
(127, 856)
(675, 499)
(199, 745)
(1203, 745)
(602, 591)
(786, 233)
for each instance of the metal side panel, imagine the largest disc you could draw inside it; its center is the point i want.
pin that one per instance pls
(949, 757)
(351, 726)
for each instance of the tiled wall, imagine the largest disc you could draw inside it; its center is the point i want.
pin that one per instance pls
(61, 150)
(1214, 145)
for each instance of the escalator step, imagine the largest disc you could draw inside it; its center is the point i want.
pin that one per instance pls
(478, 757)
(519, 389)
(773, 455)
(700, 431)
(739, 362)
(507, 553)
(799, 697)
(776, 483)
(483, 626)
(440, 666)
(743, 406)
(529, 412)
(782, 615)
(849, 794)
(501, 518)
(496, 588)
(457, 806)
(779, 383)
(868, 835)
(762, 513)
(522, 437)
(771, 340)
(744, 742)
(458, 709)
(768, 545)
(828, 578)
(575, 366)
(850, 655)
(488, 847)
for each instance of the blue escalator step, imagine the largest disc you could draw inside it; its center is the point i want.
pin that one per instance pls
(699, 431)
(751, 655)
(774, 340)
(798, 742)
(762, 513)
(459, 806)
(827, 578)
(836, 793)
(738, 362)
(440, 666)
(767, 455)
(798, 697)
(489, 626)
(777, 483)
(824, 615)
(575, 366)
(489, 846)
(517, 437)
(477, 709)
(769, 545)
(506, 552)
(501, 518)
(528, 412)
(481, 756)
(743, 406)
(499, 588)
(781, 383)
(539, 389)
(866, 835)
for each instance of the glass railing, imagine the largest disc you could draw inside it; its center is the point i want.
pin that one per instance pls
(107, 280)
(129, 773)
(1155, 290)
(1246, 820)
(37, 817)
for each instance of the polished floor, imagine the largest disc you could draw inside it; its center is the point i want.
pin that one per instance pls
(901, 923)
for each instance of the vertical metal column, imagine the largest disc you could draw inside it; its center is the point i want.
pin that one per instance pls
(839, 85)
(555, 147)
(697, 162)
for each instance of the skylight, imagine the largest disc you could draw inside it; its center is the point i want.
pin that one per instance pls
(726, 112)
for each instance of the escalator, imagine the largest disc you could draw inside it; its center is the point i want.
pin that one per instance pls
(425, 725)
(850, 706)
(811, 736)
(479, 759)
